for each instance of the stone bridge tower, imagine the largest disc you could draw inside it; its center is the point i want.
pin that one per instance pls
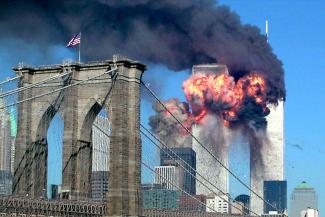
(118, 92)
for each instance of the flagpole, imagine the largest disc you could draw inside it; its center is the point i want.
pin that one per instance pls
(79, 48)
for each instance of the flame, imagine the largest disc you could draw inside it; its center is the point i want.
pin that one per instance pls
(195, 88)
(222, 91)
(199, 117)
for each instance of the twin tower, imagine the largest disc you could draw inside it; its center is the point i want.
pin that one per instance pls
(79, 92)
(266, 156)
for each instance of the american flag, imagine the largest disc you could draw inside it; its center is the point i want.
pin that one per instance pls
(75, 40)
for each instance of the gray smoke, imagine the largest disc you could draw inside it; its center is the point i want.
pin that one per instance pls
(167, 128)
(177, 34)
(212, 134)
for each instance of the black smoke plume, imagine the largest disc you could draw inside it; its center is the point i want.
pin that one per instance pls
(177, 34)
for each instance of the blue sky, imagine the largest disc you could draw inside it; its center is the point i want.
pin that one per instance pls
(297, 34)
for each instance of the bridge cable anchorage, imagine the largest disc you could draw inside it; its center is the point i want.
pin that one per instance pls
(180, 189)
(191, 168)
(208, 151)
(57, 90)
(17, 90)
(10, 79)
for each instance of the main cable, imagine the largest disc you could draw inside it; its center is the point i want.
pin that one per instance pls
(10, 79)
(17, 90)
(57, 90)
(207, 150)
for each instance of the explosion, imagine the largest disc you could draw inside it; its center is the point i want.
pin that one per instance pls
(219, 94)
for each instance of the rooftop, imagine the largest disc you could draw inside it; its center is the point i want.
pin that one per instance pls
(304, 185)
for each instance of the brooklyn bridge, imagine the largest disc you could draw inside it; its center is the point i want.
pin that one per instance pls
(79, 92)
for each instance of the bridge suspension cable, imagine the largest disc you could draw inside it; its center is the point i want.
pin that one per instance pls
(207, 150)
(17, 90)
(191, 168)
(10, 79)
(57, 90)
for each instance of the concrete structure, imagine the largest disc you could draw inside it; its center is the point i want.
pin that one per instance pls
(218, 203)
(6, 140)
(206, 165)
(310, 212)
(119, 93)
(168, 176)
(303, 196)
(275, 193)
(270, 165)
(171, 157)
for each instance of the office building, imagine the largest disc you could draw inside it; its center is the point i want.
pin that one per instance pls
(275, 193)
(206, 164)
(309, 212)
(245, 201)
(267, 160)
(55, 191)
(160, 199)
(99, 185)
(100, 163)
(192, 203)
(101, 131)
(177, 156)
(6, 142)
(216, 203)
(168, 176)
(303, 196)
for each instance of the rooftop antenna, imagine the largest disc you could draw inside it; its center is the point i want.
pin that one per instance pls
(267, 30)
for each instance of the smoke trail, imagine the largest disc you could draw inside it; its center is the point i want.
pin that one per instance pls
(177, 34)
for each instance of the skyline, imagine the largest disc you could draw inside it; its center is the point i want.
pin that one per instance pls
(295, 40)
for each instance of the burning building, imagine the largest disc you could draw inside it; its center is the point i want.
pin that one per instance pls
(218, 105)
(210, 131)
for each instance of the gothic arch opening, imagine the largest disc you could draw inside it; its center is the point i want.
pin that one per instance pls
(54, 160)
(101, 130)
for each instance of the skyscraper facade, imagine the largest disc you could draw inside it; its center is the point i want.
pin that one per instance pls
(168, 176)
(303, 196)
(275, 193)
(171, 157)
(100, 162)
(101, 130)
(5, 151)
(269, 164)
(214, 141)
(160, 199)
